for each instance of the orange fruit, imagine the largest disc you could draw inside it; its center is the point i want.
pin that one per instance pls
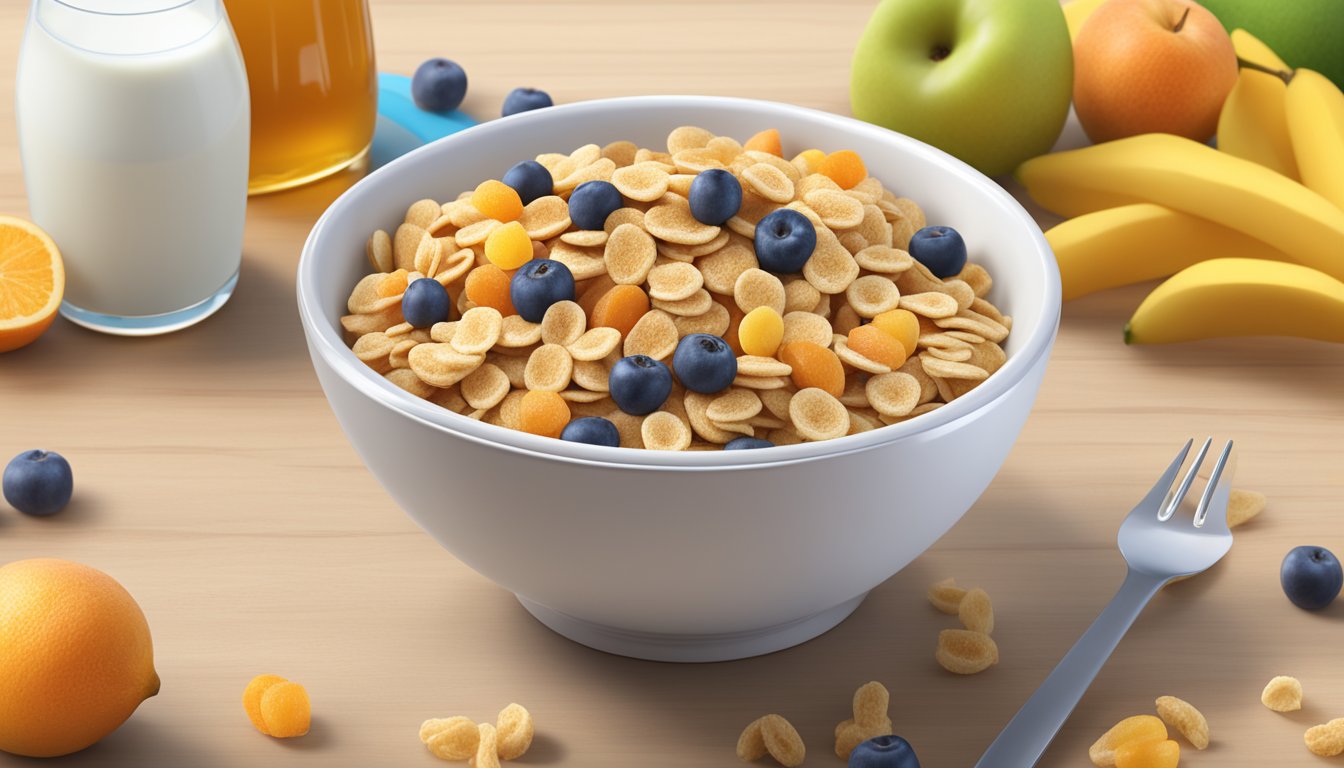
(32, 281)
(76, 657)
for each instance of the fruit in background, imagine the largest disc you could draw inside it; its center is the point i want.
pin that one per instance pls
(1077, 11)
(1305, 33)
(38, 483)
(76, 657)
(32, 282)
(941, 249)
(525, 100)
(1311, 577)
(1315, 109)
(986, 80)
(439, 85)
(1134, 243)
(1253, 123)
(1187, 176)
(1151, 66)
(1240, 297)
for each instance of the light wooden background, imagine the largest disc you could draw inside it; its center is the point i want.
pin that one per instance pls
(212, 480)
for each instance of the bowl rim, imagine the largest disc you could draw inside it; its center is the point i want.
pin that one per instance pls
(326, 341)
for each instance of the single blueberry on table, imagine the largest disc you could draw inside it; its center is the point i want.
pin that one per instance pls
(593, 430)
(704, 363)
(525, 100)
(785, 240)
(716, 196)
(1311, 577)
(425, 303)
(747, 443)
(439, 85)
(530, 180)
(941, 249)
(537, 285)
(38, 483)
(592, 202)
(884, 752)
(639, 384)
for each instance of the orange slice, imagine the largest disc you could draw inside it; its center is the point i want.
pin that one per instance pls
(32, 281)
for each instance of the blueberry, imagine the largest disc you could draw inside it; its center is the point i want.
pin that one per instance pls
(439, 85)
(715, 197)
(941, 249)
(747, 443)
(537, 285)
(593, 430)
(639, 384)
(592, 202)
(704, 363)
(785, 240)
(884, 752)
(530, 180)
(425, 303)
(525, 100)
(38, 483)
(1311, 577)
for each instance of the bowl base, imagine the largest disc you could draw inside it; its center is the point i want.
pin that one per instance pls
(691, 648)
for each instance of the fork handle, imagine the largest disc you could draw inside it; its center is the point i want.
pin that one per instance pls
(1028, 734)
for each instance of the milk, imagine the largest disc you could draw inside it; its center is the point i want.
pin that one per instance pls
(133, 132)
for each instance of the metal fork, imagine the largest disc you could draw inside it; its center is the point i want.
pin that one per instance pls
(1156, 550)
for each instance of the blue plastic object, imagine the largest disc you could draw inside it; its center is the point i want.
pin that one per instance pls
(402, 126)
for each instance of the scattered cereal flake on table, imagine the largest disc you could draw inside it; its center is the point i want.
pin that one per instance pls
(515, 729)
(286, 710)
(1242, 505)
(1188, 721)
(870, 719)
(451, 738)
(964, 652)
(1327, 739)
(781, 740)
(946, 596)
(1282, 694)
(976, 611)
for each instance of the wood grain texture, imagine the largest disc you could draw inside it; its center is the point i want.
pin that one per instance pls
(214, 483)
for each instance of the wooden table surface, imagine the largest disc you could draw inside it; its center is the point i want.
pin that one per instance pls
(214, 483)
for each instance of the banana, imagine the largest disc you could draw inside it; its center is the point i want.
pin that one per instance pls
(1315, 110)
(1253, 124)
(1076, 12)
(1240, 297)
(1135, 243)
(1194, 178)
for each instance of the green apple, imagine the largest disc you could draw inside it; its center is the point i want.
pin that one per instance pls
(1304, 33)
(986, 80)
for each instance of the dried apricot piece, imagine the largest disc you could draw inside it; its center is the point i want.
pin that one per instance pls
(877, 345)
(620, 308)
(497, 201)
(252, 699)
(903, 325)
(286, 710)
(844, 167)
(809, 161)
(543, 413)
(509, 247)
(761, 331)
(1132, 730)
(1148, 754)
(488, 286)
(814, 366)
(1188, 721)
(765, 141)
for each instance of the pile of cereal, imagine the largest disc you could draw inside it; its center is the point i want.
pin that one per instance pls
(713, 295)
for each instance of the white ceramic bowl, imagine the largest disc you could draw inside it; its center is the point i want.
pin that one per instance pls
(683, 556)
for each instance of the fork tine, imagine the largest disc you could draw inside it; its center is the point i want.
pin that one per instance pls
(1159, 490)
(1202, 512)
(1173, 502)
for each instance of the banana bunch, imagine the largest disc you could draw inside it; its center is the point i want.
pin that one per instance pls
(1260, 219)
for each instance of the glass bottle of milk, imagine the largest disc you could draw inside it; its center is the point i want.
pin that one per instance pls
(133, 130)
